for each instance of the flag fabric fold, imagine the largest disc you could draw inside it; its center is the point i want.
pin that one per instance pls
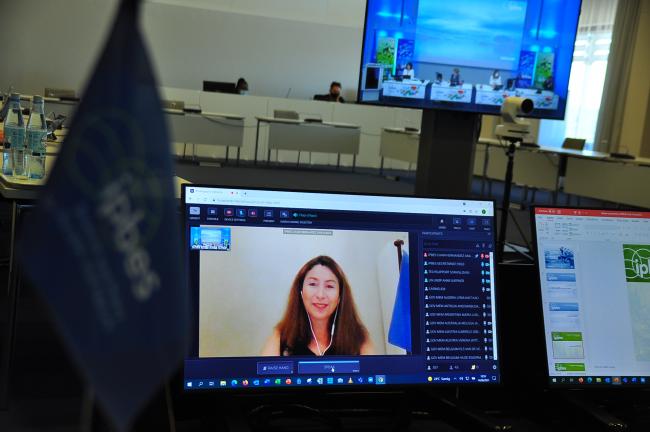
(103, 244)
(399, 333)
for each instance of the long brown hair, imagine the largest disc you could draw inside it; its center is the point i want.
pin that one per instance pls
(349, 335)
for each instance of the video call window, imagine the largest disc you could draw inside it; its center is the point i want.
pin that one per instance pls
(296, 286)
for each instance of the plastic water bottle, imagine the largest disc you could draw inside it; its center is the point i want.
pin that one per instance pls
(36, 137)
(14, 129)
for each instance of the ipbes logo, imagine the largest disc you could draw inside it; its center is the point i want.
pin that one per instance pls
(637, 263)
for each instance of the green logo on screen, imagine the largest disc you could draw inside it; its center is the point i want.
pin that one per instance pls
(637, 263)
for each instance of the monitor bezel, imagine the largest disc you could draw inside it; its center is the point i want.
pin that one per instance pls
(535, 114)
(337, 388)
(540, 312)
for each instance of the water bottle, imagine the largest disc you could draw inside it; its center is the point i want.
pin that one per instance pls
(14, 129)
(36, 137)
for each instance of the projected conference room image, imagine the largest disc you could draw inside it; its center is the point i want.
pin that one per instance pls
(277, 288)
(468, 55)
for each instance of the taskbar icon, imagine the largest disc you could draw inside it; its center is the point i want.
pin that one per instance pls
(285, 381)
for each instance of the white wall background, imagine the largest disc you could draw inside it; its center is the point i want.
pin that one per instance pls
(243, 293)
(276, 45)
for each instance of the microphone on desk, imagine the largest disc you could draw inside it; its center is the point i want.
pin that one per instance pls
(288, 93)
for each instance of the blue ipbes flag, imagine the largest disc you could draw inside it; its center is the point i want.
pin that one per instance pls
(103, 244)
(399, 333)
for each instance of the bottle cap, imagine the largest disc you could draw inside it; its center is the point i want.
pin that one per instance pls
(14, 96)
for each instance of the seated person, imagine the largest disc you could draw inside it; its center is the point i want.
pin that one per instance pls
(241, 87)
(321, 317)
(438, 78)
(455, 80)
(495, 80)
(408, 72)
(548, 83)
(333, 96)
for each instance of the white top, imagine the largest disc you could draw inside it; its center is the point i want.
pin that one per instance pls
(495, 81)
(406, 73)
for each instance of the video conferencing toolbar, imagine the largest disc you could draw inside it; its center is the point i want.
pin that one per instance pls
(309, 289)
(594, 269)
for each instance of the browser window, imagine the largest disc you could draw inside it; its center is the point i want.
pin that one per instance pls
(594, 268)
(309, 289)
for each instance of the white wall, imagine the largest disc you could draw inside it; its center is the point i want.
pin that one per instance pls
(276, 45)
(345, 13)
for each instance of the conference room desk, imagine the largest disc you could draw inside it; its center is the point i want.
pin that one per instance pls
(399, 144)
(21, 195)
(320, 137)
(543, 99)
(61, 107)
(585, 173)
(610, 179)
(213, 129)
(535, 167)
(54, 105)
(446, 93)
(410, 89)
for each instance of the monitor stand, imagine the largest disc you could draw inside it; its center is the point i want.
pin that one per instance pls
(350, 411)
(592, 411)
(446, 153)
(463, 416)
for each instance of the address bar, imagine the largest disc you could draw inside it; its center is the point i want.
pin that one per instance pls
(328, 205)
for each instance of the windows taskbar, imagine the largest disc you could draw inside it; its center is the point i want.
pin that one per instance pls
(347, 380)
(574, 381)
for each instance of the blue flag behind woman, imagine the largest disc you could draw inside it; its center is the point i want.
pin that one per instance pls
(103, 244)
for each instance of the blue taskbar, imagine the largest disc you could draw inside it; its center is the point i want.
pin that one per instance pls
(301, 289)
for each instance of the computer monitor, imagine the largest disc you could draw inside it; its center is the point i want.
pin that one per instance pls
(594, 272)
(476, 45)
(325, 290)
(219, 87)
(373, 77)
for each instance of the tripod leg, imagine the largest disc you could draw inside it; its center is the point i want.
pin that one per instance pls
(505, 205)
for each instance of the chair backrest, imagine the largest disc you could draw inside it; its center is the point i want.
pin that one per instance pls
(574, 144)
(286, 114)
(59, 93)
(172, 104)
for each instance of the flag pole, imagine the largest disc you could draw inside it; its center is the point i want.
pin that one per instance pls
(87, 407)
(170, 408)
(398, 244)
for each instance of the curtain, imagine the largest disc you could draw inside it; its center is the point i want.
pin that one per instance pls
(588, 75)
(618, 72)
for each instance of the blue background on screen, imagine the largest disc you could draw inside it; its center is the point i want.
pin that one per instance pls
(486, 34)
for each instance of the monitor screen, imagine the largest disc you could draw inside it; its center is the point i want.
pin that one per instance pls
(299, 289)
(219, 87)
(594, 269)
(469, 55)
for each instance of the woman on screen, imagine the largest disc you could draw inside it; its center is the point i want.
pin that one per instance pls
(495, 80)
(321, 317)
(409, 72)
